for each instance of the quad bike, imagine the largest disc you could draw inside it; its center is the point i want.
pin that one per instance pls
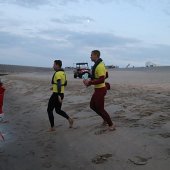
(81, 69)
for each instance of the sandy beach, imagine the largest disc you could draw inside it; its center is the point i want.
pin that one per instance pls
(138, 103)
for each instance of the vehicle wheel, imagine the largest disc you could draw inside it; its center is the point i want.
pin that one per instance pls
(89, 76)
(75, 76)
(80, 76)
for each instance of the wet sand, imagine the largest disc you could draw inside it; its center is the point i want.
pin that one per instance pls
(138, 103)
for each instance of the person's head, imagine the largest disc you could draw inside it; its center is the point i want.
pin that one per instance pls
(95, 55)
(57, 64)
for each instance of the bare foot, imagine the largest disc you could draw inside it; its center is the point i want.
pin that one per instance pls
(70, 122)
(52, 129)
(112, 128)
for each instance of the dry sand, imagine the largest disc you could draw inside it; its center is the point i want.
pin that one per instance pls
(138, 103)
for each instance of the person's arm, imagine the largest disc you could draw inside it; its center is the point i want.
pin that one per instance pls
(101, 73)
(59, 89)
(100, 80)
(59, 85)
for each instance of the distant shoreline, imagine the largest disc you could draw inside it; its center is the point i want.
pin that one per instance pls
(4, 68)
(156, 68)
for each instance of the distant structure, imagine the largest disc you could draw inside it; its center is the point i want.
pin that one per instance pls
(111, 66)
(128, 66)
(150, 64)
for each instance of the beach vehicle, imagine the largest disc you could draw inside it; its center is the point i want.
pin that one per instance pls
(150, 64)
(80, 69)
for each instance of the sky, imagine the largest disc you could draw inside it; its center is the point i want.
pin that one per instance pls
(37, 32)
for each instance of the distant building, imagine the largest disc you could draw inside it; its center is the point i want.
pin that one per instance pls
(111, 66)
(128, 66)
(150, 64)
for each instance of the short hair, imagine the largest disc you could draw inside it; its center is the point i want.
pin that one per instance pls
(96, 52)
(58, 62)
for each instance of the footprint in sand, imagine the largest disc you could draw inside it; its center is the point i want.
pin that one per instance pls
(99, 159)
(146, 113)
(119, 111)
(32, 153)
(4, 121)
(47, 165)
(27, 93)
(75, 127)
(168, 152)
(44, 156)
(100, 132)
(165, 135)
(58, 125)
(2, 150)
(138, 160)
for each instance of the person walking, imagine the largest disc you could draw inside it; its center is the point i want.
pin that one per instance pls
(98, 80)
(58, 82)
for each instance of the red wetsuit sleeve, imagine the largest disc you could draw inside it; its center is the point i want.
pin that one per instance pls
(97, 81)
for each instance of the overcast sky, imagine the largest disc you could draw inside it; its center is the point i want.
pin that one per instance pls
(36, 32)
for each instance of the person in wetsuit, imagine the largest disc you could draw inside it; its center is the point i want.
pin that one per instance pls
(58, 82)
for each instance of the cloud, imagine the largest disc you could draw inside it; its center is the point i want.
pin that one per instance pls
(73, 20)
(8, 40)
(99, 39)
(90, 39)
(9, 23)
(20, 50)
(139, 54)
(71, 46)
(36, 3)
(136, 3)
(166, 12)
(31, 45)
(26, 3)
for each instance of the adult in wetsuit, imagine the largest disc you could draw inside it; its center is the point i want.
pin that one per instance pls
(55, 102)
